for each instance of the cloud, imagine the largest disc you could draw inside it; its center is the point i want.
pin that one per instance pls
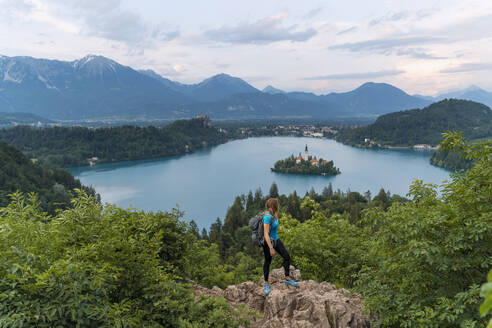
(390, 17)
(313, 12)
(355, 76)
(256, 78)
(385, 44)
(104, 19)
(165, 35)
(468, 67)
(417, 53)
(13, 10)
(122, 26)
(263, 31)
(399, 46)
(348, 30)
(402, 15)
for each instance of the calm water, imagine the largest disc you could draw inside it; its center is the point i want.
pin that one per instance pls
(205, 183)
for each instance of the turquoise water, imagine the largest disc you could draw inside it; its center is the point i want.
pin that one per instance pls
(205, 183)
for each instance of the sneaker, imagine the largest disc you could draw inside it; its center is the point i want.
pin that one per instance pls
(266, 288)
(291, 282)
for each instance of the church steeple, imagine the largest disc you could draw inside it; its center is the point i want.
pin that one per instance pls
(306, 153)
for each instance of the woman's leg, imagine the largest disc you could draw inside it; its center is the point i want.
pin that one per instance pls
(268, 260)
(280, 248)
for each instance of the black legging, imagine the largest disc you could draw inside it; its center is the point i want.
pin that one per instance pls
(280, 248)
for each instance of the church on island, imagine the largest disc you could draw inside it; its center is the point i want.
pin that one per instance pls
(305, 165)
(313, 160)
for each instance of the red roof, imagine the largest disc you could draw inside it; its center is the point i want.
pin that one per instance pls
(314, 160)
(299, 157)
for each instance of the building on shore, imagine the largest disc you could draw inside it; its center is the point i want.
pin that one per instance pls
(92, 160)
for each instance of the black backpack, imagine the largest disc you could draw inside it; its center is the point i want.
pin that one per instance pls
(256, 224)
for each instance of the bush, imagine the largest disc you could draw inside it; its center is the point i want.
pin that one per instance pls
(427, 257)
(95, 266)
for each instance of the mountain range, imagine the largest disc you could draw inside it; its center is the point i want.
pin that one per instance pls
(96, 87)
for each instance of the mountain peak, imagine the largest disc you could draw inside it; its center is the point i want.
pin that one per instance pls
(95, 62)
(272, 90)
(473, 88)
(374, 85)
(228, 80)
(221, 77)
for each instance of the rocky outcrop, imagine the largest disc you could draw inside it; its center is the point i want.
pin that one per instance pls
(311, 304)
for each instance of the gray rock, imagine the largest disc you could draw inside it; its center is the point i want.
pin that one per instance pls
(310, 305)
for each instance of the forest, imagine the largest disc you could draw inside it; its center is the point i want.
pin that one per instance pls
(450, 160)
(418, 261)
(72, 146)
(53, 187)
(422, 126)
(290, 166)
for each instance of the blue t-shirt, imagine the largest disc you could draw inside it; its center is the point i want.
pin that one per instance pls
(268, 218)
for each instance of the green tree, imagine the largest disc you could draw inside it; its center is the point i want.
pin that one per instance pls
(486, 292)
(382, 199)
(328, 191)
(258, 195)
(99, 266)
(250, 200)
(273, 190)
(193, 228)
(215, 231)
(204, 234)
(233, 218)
(419, 247)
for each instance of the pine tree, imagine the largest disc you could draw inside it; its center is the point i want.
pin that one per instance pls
(328, 191)
(233, 218)
(274, 190)
(249, 200)
(204, 235)
(258, 195)
(193, 228)
(215, 231)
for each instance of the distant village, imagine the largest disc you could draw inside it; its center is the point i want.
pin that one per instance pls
(310, 131)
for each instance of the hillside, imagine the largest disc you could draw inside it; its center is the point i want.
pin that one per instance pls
(450, 160)
(54, 187)
(423, 126)
(72, 146)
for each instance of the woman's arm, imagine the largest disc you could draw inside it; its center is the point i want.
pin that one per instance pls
(266, 230)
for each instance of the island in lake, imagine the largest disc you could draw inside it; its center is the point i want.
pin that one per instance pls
(305, 165)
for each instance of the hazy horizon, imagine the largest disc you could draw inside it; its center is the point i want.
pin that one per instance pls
(421, 47)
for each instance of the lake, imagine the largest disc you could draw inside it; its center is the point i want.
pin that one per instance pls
(205, 183)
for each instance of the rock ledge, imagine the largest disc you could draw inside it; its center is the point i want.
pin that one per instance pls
(311, 304)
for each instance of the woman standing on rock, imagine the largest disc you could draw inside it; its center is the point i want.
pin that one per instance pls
(273, 243)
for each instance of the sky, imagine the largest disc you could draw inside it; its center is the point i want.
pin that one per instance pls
(421, 46)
